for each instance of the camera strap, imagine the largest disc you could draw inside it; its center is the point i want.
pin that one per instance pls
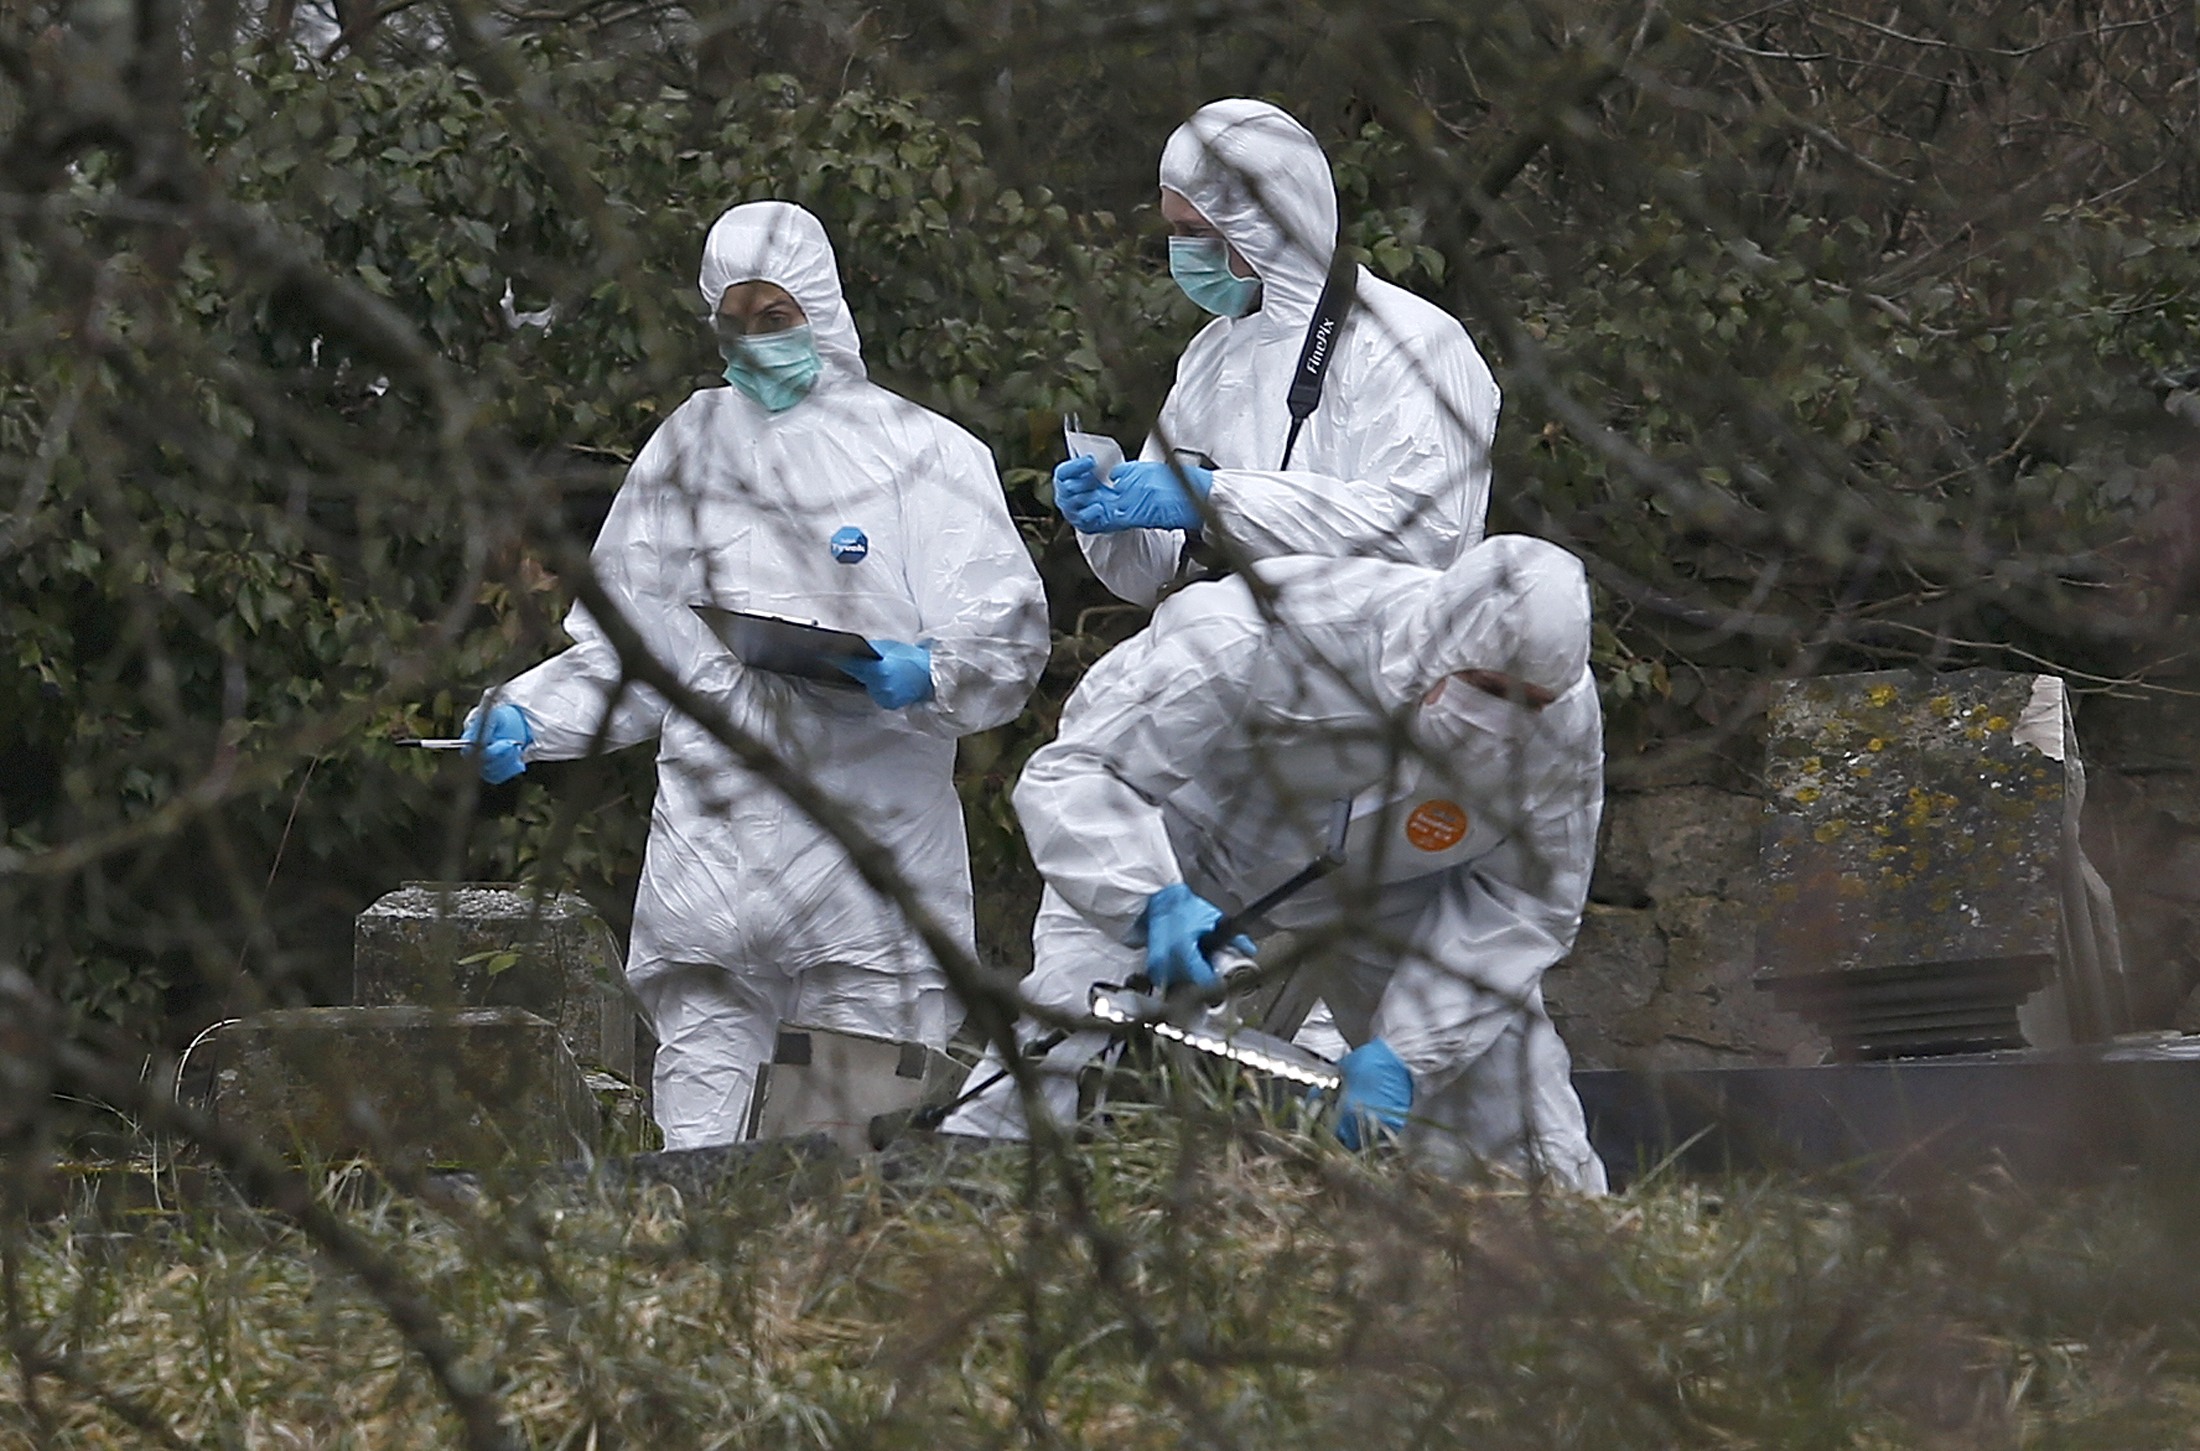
(1320, 347)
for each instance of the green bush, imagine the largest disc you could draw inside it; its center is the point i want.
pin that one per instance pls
(1797, 375)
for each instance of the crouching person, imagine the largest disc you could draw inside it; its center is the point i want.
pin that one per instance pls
(1198, 764)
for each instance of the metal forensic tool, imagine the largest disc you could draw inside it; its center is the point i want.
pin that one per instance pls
(1218, 936)
(1198, 1021)
(1206, 1022)
(1219, 1035)
(450, 743)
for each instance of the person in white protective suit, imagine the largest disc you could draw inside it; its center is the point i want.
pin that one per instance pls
(1198, 763)
(1393, 462)
(802, 490)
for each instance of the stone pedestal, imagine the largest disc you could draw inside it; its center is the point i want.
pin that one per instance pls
(485, 944)
(1920, 858)
(471, 1087)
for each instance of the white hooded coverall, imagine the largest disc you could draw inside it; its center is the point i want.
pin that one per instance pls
(1394, 464)
(1208, 750)
(748, 914)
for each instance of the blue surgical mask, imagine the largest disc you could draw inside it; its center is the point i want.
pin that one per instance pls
(776, 369)
(1201, 266)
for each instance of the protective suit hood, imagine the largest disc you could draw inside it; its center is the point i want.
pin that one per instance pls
(781, 243)
(1512, 603)
(1263, 181)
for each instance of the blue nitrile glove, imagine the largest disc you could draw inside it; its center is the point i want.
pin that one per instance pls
(901, 676)
(1077, 488)
(1141, 495)
(498, 738)
(1176, 918)
(1377, 1094)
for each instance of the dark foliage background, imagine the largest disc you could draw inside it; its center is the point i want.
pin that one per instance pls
(1830, 340)
(1830, 337)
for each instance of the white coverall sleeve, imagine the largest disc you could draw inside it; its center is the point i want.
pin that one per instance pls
(983, 608)
(1142, 723)
(566, 698)
(1135, 564)
(1482, 947)
(1427, 416)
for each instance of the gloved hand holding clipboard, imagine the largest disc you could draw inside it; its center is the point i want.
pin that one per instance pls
(785, 645)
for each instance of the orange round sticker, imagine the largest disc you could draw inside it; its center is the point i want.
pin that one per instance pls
(1437, 825)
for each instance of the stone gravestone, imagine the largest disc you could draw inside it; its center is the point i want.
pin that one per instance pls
(491, 944)
(1926, 889)
(432, 1086)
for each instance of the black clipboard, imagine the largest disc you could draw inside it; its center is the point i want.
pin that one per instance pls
(784, 645)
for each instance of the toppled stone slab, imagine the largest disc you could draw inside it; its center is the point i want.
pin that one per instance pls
(491, 944)
(475, 1087)
(1921, 861)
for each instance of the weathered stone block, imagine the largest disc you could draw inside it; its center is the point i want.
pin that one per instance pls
(1910, 823)
(1687, 841)
(1709, 1010)
(471, 1087)
(1613, 973)
(1920, 854)
(2144, 734)
(2175, 795)
(487, 944)
(624, 1114)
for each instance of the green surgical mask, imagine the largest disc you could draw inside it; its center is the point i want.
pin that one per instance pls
(776, 369)
(1201, 266)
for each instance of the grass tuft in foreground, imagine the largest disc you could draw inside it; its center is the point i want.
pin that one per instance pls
(1204, 1284)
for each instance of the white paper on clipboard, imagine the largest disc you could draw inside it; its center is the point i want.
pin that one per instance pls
(1101, 449)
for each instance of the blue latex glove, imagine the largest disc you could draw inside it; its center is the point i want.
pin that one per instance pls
(1138, 495)
(1176, 918)
(498, 739)
(1376, 1096)
(900, 677)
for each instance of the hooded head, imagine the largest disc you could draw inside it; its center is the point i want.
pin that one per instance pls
(780, 243)
(1513, 604)
(1261, 179)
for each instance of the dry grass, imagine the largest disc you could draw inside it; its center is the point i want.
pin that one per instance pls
(1199, 1285)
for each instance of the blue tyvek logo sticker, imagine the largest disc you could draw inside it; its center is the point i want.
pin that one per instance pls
(850, 544)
